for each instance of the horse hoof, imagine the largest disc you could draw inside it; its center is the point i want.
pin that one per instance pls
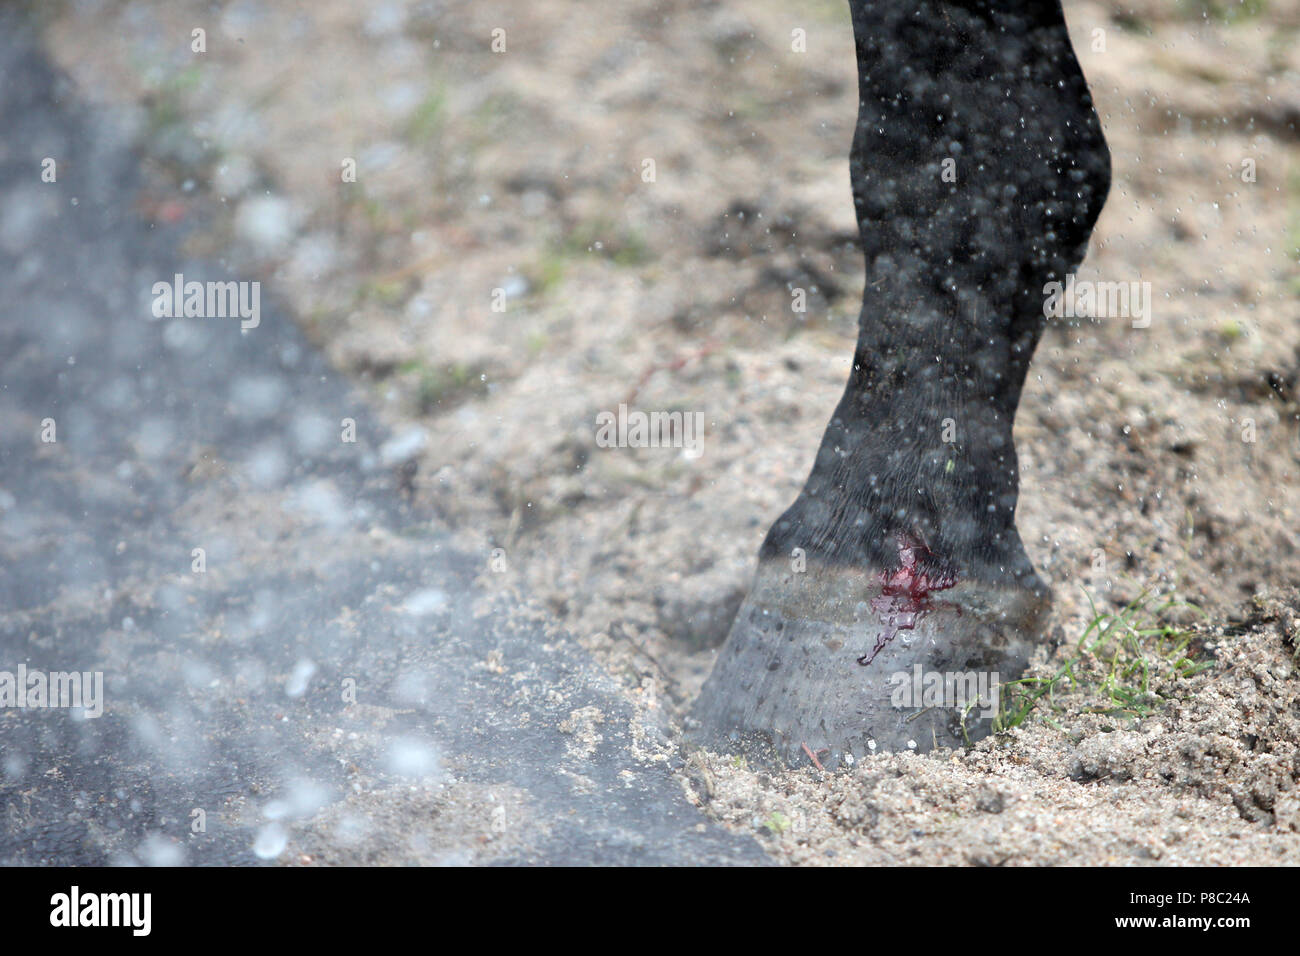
(830, 664)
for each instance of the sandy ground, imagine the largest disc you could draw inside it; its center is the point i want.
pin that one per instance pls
(1161, 458)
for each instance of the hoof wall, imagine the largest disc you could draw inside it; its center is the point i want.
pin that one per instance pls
(788, 683)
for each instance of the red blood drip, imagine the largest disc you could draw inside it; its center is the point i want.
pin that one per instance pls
(905, 596)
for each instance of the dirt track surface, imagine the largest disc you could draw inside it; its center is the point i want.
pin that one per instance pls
(333, 687)
(1157, 458)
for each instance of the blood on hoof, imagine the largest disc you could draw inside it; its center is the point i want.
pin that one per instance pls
(905, 596)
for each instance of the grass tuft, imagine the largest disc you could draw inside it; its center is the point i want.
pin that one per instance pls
(1129, 659)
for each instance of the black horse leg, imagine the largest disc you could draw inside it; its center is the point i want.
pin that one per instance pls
(978, 170)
